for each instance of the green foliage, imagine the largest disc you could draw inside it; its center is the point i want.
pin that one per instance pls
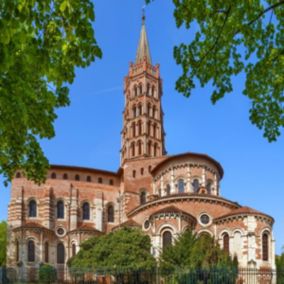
(3, 242)
(124, 249)
(47, 274)
(190, 255)
(230, 37)
(41, 43)
(280, 268)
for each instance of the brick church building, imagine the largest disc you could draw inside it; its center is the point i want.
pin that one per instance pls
(162, 194)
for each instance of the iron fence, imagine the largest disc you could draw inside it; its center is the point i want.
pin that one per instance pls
(116, 276)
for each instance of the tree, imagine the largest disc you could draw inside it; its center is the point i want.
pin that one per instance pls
(47, 273)
(280, 268)
(41, 43)
(3, 242)
(197, 258)
(121, 250)
(231, 37)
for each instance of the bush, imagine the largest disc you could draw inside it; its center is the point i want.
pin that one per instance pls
(47, 274)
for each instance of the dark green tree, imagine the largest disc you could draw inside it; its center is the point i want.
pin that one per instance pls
(3, 242)
(230, 37)
(47, 274)
(193, 258)
(124, 250)
(41, 43)
(280, 268)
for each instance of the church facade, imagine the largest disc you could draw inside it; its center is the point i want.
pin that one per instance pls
(162, 194)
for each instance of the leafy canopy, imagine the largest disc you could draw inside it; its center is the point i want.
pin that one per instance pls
(41, 43)
(190, 252)
(124, 249)
(231, 37)
(3, 242)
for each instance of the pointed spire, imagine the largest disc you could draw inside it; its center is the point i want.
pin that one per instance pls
(143, 50)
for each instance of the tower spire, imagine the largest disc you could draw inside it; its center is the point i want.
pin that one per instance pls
(143, 51)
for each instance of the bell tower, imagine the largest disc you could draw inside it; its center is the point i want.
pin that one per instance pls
(143, 132)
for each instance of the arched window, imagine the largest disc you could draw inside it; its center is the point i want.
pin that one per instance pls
(60, 209)
(265, 250)
(167, 239)
(142, 197)
(17, 250)
(32, 208)
(111, 182)
(149, 110)
(195, 185)
(100, 180)
(209, 186)
(149, 148)
(31, 251)
(134, 174)
(73, 249)
(148, 90)
(180, 186)
(155, 149)
(142, 171)
(110, 214)
(149, 128)
(53, 175)
(139, 147)
(133, 126)
(226, 242)
(153, 91)
(140, 89)
(133, 149)
(140, 109)
(46, 252)
(134, 111)
(154, 130)
(154, 114)
(60, 253)
(149, 169)
(89, 179)
(168, 189)
(77, 177)
(65, 176)
(139, 127)
(135, 90)
(86, 211)
(18, 175)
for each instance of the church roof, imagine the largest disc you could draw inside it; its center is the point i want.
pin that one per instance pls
(128, 223)
(143, 50)
(170, 210)
(244, 210)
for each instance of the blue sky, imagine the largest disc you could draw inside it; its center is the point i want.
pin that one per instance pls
(88, 132)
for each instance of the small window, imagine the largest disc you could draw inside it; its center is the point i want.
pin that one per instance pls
(195, 185)
(168, 189)
(265, 246)
(142, 197)
(89, 179)
(86, 211)
(100, 180)
(209, 186)
(134, 174)
(32, 208)
(17, 250)
(226, 242)
(31, 251)
(149, 169)
(77, 177)
(53, 175)
(60, 253)
(111, 182)
(73, 249)
(181, 186)
(204, 219)
(167, 239)
(65, 176)
(110, 214)
(140, 89)
(60, 209)
(46, 252)
(133, 149)
(142, 171)
(18, 175)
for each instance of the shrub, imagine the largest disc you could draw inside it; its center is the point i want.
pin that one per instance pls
(47, 274)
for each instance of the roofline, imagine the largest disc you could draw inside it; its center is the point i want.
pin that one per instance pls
(186, 196)
(85, 169)
(196, 155)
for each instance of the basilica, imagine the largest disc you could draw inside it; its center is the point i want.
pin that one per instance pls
(160, 193)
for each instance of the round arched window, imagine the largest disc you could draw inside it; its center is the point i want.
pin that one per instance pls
(167, 239)
(146, 224)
